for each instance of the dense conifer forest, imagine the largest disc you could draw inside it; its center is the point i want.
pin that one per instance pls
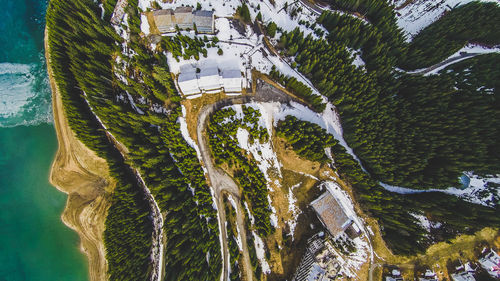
(299, 89)
(307, 140)
(408, 130)
(396, 213)
(411, 131)
(475, 22)
(84, 54)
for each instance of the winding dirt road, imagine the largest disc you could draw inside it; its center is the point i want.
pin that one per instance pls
(221, 182)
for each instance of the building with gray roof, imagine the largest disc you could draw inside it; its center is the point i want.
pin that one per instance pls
(169, 20)
(164, 20)
(209, 79)
(188, 82)
(331, 214)
(232, 80)
(204, 21)
(184, 18)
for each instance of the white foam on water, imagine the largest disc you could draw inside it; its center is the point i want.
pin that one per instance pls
(24, 95)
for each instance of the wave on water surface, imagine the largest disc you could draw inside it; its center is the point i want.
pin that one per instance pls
(24, 94)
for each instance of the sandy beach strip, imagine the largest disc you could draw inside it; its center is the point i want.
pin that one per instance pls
(80, 173)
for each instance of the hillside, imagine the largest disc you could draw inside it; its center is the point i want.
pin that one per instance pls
(224, 123)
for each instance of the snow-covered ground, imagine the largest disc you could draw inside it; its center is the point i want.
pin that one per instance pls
(328, 120)
(186, 136)
(421, 13)
(272, 112)
(467, 52)
(470, 49)
(261, 253)
(227, 8)
(249, 214)
(144, 25)
(238, 235)
(246, 50)
(273, 216)
(425, 222)
(263, 153)
(293, 209)
(477, 192)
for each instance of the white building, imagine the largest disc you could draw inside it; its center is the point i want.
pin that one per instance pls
(232, 80)
(206, 77)
(209, 79)
(188, 81)
(463, 276)
(491, 263)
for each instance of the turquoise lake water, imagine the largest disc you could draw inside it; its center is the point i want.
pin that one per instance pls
(34, 243)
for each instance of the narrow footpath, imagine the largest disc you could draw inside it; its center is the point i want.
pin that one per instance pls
(157, 248)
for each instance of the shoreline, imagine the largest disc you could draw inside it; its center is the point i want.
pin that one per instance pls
(84, 177)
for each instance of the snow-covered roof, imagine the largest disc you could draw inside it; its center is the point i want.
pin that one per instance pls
(188, 83)
(209, 71)
(232, 80)
(429, 273)
(186, 76)
(396, 272)
(231, 73)
(209, 78)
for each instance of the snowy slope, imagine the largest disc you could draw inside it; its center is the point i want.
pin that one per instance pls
(421, 13)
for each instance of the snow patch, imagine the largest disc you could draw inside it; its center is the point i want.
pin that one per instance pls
(479, 190)
(238, 237)
(144, 25)
(273, 216)
(293, 209)
(261, 253)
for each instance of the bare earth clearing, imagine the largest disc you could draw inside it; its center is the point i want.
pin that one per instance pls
(80, 173)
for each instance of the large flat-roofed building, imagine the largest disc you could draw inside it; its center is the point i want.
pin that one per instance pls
(208, 77)
(232, 80)
(204, 21)
(331, 214)
(169, 20)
